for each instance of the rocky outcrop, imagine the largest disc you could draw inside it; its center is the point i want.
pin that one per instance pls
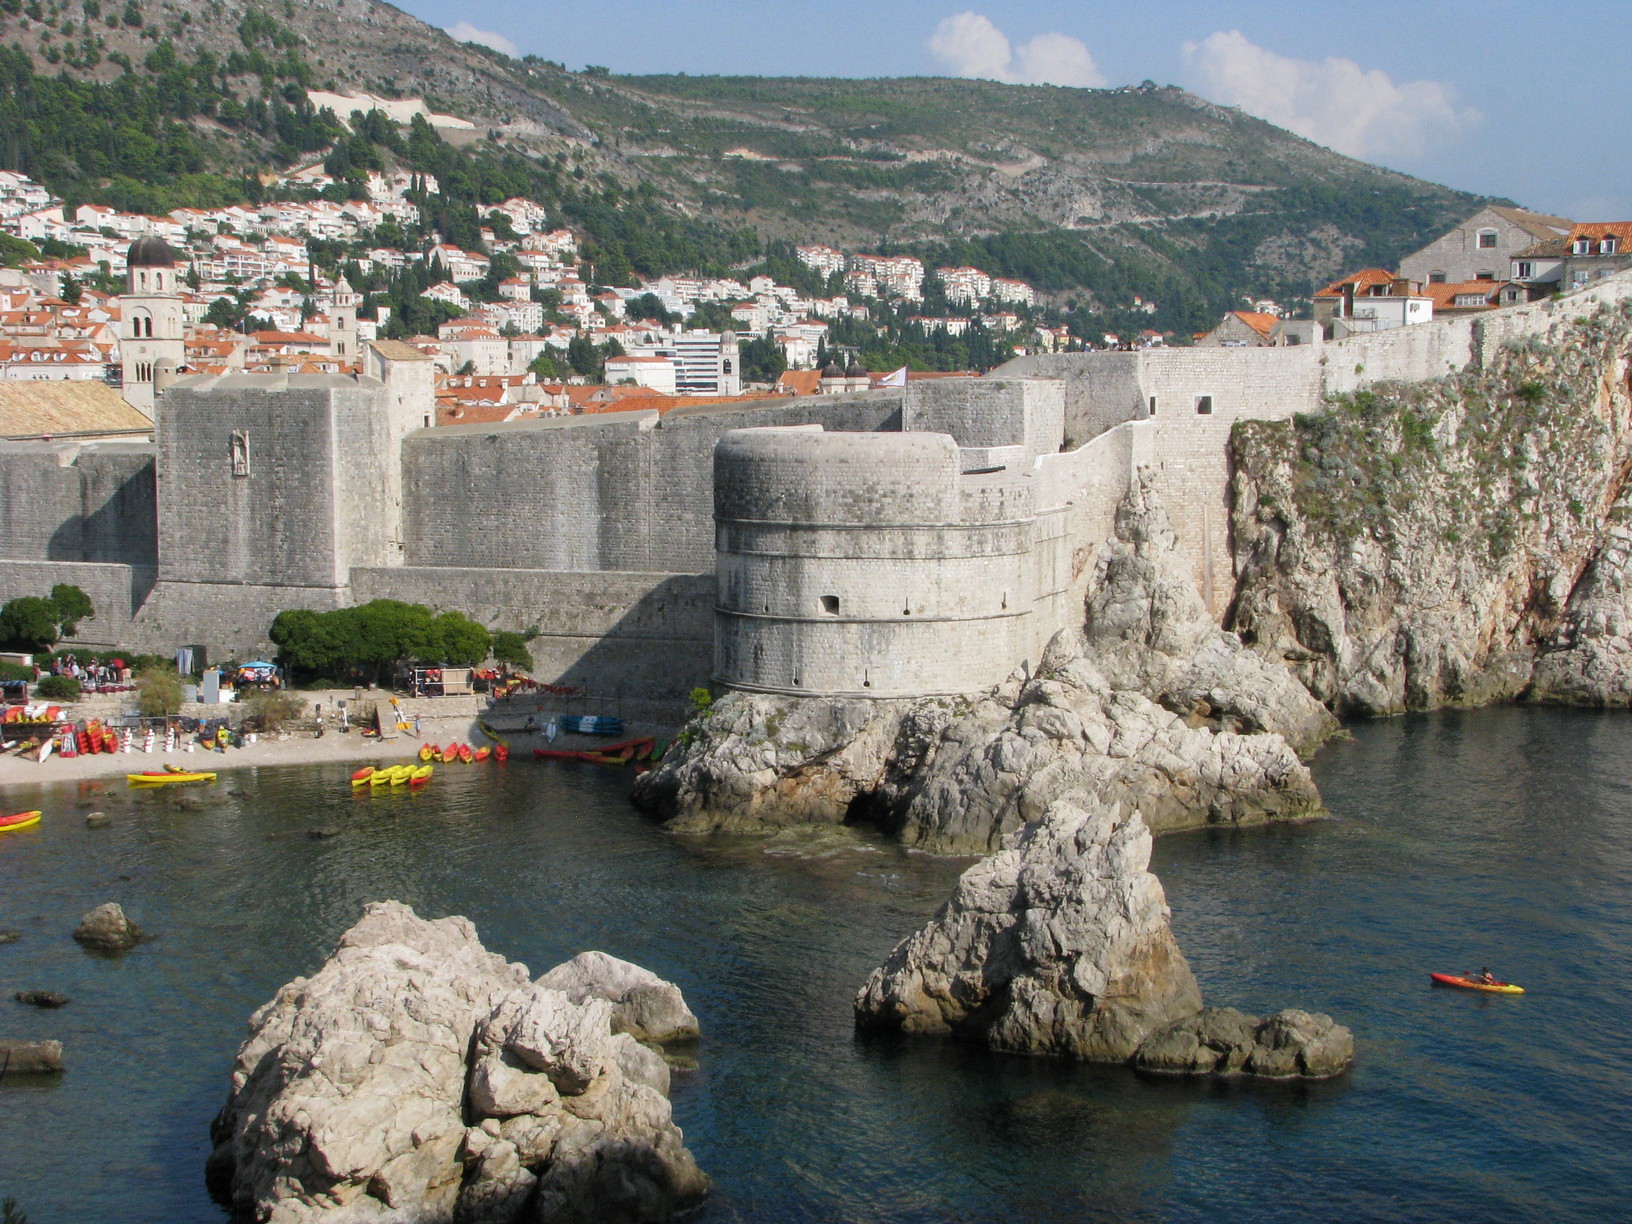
(1291, 1044)
(1420, 546)
(106, 929)
(643, 1004)
(30, 1057)
(41, 998)
(1060, 943)
(418, 1077)
(1149, 702)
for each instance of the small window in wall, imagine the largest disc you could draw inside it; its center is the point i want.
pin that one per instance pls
(1153, 405)
(1487, 240)
(1436, 278)
(1204, 405)
(240, 452)
(830, 604)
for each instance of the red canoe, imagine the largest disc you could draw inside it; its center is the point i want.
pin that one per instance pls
(466, 753)
(501, 753)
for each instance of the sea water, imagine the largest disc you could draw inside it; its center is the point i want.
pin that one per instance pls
(1499, 838)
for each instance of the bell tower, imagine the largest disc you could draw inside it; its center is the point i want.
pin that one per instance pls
(343, 344)
(151, 332)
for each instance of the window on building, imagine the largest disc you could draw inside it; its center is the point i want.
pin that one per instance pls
(1608, 246)
(240, 452)
(1524, 270)
(1153, 405)
(830, 604)
(1583, 246)
(1436, 278)
(1204, 405)
(1487, 240)
(1484, 276)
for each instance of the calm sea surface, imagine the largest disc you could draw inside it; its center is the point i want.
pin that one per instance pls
(1500, 838)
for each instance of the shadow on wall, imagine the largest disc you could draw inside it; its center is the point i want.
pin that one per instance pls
(123, 529)
(644, 664)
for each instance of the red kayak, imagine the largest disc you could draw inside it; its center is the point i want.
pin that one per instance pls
(501, 753)
(467, 754)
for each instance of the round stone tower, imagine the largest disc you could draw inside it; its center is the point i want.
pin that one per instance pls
(846, 567)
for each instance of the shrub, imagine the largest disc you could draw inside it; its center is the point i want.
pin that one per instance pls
(158, 692)
(28, 623)
(59, 688)
(271, 711)
(701, 700)
(368, 640)
(72, 606)
(16, 671)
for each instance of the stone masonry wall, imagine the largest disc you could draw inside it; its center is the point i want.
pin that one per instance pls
(78, 501)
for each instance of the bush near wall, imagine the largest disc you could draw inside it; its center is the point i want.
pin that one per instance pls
(59, 688)
(367, 642)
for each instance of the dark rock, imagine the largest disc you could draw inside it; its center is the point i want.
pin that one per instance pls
(322, 834)
(41, 998)
(107, 929)
(97, 820)
(29, 1057)
(1291, 1044)
(7, 935)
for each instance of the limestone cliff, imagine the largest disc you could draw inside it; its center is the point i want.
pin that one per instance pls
(1149, 702)
(1456, 542)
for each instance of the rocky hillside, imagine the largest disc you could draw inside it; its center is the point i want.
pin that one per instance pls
(1092, 195)
(1457, 542)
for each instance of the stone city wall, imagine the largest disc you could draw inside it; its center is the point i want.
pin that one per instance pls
(78, 501)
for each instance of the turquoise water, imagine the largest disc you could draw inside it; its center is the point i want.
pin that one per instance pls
(1501, 837)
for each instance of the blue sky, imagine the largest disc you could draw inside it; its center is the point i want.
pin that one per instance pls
(1508, 97)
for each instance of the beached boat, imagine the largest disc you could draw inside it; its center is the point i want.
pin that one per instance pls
(467, 754)
(420, 775)
(501, 753)
(482, 753)
(361, 777)
(400, 774)
(592, 724)
(450, 754)
(427, 751)
(166, 777)
(380, 777)
(21, 820)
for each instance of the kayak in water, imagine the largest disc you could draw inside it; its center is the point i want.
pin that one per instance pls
(1474, 983)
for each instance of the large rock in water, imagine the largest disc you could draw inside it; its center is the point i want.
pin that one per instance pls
(107, 929)
(418, 1077)
(1057, 944)
(1148, 701)
(1060, 944)
(643, 1004)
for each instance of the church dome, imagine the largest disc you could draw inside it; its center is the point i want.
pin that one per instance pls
(855, 371)
(150, 251)
(831, 370)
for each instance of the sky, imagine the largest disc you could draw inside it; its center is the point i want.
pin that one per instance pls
(1518, 98)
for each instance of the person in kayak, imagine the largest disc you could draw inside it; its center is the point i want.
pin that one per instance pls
(1485, 977)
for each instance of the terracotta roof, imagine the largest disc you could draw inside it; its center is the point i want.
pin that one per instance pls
(1547, 248)
(1263, 324)
(800, 382)
(396, 350)
(1361, 280)
(57, 408)
(1444, 295)
(1603, 229)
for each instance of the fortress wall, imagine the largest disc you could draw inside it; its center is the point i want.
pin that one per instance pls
(115, 591)
(639, 642)
(278, 525)
(1400, 354)
(1101, 390)
(989, 412)
(613, 491)
(1263, 383)
(78, 501)
(367, 505)
(230, 620)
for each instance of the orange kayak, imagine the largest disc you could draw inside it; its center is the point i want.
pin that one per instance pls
(1467, 983)
(466, 753)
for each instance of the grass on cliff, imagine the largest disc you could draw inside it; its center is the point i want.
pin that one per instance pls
(1477, 457)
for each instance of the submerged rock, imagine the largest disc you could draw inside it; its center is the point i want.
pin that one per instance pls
(29, 1057)
(1291, 1044)
(41, 998)
(1057, 944)
(417, 1076)
(107, 929)
(643, 1004)
(8, 935)
(97, 820)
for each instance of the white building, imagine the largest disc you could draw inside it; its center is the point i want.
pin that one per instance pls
(661, 374)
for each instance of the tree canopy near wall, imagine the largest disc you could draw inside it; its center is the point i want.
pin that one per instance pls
(369, 641)
(32, 623)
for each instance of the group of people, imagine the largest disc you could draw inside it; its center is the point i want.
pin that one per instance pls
(92, 675)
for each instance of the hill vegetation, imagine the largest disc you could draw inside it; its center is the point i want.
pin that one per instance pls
(1093, 196)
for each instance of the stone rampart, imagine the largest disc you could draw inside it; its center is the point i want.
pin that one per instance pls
(78, 501)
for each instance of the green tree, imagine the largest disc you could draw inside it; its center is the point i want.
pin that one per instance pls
(28, 623)
(72, 606)
(511, 649)
(546, 367)
(158, 692)
(461, 642)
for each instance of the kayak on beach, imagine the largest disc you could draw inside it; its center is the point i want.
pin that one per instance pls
(1468, 983)
(156, 777)
(21, 820)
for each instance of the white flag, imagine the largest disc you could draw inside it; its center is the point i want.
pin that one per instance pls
(897, 379)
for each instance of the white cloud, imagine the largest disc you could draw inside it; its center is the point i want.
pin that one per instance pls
(463, 31)
(1334, 101)
(971, 46)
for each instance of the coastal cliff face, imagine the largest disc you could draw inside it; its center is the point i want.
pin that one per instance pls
(1458, 542)
(1149, 702)
(417, 1077)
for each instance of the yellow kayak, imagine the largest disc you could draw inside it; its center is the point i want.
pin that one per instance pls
(420, 776)
(380, 777)
(400, 774)
(1468, 983)
(361, 777)
(167, 778)
(22, 820)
